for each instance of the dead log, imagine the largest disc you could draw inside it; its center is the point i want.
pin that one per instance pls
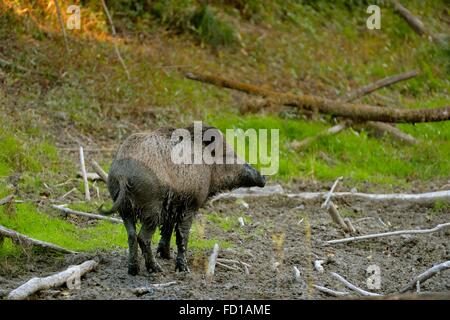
(36, 284)
(429, 197)
(99, 170)
(20, 239)
(415, 23)
(85, 214)
(354, 111)
(427, 274)
(390, 234)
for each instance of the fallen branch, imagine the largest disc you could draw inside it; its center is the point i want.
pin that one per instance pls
(36, 284)
(393, 131)
(84, 174)
(429, 197)
(352, 286)
(353, 111)
(426, 275)
(331, 292)
(212, 262)
(99, 170)
(360, 92)
(6, 199)
(116, 48)
(19, 239)
(226, 266)
(85, 214)
(336, 217)
(390, 234)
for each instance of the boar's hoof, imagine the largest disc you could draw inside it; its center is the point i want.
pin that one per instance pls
(164, 252)
(154, 267)
(181, 265)
(133, 269)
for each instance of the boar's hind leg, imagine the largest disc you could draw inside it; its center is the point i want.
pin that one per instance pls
(133, 264)
(164, 243)
(149, 224)
(182, 233)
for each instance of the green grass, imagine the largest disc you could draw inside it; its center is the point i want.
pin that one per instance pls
(103, 235)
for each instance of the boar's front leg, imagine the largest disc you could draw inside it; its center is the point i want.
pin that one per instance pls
(182, 229)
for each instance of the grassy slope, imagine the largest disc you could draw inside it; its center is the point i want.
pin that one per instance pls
(297, 49)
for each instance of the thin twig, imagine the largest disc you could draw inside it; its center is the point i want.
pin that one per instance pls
(99, 170)
(390, 234)
(85, 179)
(85, 214)
(116, 48)
(426, 275)
(331, 292)
(61, 24)
(212, 262)
(352, 286)
(330, 194)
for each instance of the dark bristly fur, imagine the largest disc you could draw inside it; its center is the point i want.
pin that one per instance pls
(147, 186)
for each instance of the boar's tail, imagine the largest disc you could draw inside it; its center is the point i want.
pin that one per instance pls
(121, 197)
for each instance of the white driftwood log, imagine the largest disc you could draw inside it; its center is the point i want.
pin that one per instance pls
(99, 170)
(19, 238)
(428, 197)
(390, 234)
(353, 287)
(426, 275)
(85, 214)
(250, 192)
(212, 261)
(36, 284)
(331, 292)
(84, 174)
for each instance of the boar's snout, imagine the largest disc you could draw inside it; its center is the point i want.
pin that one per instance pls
(252, 177)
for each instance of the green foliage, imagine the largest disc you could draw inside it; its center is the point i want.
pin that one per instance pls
(211, 30)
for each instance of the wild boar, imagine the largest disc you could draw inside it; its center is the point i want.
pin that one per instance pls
(146, 185)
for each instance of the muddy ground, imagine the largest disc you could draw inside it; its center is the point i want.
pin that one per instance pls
(280, 233)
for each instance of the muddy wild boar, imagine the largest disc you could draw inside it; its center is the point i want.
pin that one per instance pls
(146, 185)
